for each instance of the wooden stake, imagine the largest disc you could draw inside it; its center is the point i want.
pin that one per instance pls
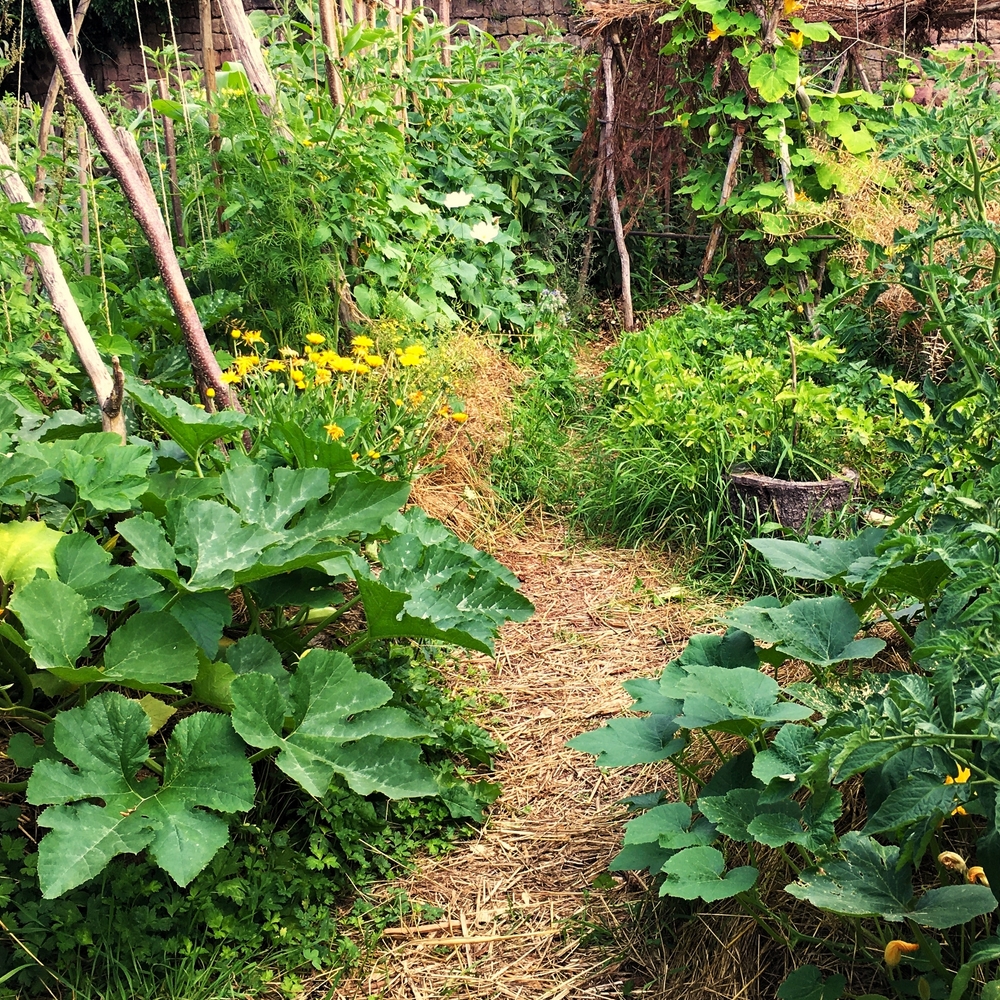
(609, 180)
(126, 165)
(328, 32)
(107, 387)
(83, 181)
(596, 188)
(170, 142)
(444, 16)
(728, 184)
(407, 28)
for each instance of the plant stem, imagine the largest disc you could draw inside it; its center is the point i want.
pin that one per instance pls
(893, 621)
(343, 609)
(12, 787)
(153, 766)
(260, 755)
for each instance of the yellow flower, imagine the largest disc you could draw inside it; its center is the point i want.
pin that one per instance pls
(374, 454)
(274, 366)
(418, 350)
(976, 874)
(795, 38)
(288, 352)
(360, 369)
(445, 411)
(362, 341)
(322, 377)
(299, 384)
(895, 950)
(230, 378)
(315, 338)
(949, 859)
(792, 7)
(959, 811)
(253, 337)
(335, 432)
(373, 361)
(355, 456)
(210, 392)
(716, 33)
(397, 402)
(963, 776)
(339, 364)
(244, 362)
(460, 418)
(297, 375)
(235, 334)
(416, 398)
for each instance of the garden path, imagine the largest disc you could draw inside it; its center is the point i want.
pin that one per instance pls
(520, 917)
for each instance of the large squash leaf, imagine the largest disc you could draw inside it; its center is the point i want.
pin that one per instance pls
(206, 773)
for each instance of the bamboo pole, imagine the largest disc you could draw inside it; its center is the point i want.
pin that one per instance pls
(126, 165)
(83, 179)
(609, 180)
(170, 144)
(107, 387)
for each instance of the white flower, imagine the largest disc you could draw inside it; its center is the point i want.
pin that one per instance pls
(485, 232)
(457, 199)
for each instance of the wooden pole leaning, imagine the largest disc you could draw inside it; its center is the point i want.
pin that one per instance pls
(108, 386)
(126, 165)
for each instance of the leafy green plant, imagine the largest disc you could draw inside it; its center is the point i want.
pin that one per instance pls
(126, 583)
(920, 736)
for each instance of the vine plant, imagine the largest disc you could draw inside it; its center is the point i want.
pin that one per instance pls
(907, 876)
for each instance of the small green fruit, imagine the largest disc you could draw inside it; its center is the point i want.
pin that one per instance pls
(908, 91)
(714, 130)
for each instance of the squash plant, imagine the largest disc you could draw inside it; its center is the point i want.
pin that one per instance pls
(143, 701)
(923, 738)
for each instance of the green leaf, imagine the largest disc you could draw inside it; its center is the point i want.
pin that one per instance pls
(735, 700)
(649, 697)
(25, 548)
(636, 857)
(152, 550)
(204, 616)
(983, 952)
(338, 726)
(358, 503)
(821, 631)
(818, 558)
(669, 826)
(211, 686)
(807, 983)
(733, 812)
(86, 567)
(952, 905)
(158, 712)
(697, 873)
(189, 427)
(57, 622)
(151, 648)
(623, 742)
(105, 740)
(920, 797)
(273, 504)
(866, 882)
(772, 73)
(211, 540)
(789, 755)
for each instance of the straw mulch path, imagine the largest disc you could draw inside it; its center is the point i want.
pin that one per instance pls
(519, 917)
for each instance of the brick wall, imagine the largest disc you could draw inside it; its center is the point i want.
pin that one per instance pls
(122, 66)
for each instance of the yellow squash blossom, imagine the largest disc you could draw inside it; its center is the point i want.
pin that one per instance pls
(953, 861)
(963, 776)
(792, 7)
(895, 950)
(716, 33)
(795, 38)
(976, 874)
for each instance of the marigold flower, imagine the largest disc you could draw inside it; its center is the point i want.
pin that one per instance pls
(322, 377)
(953, 861)
(976, 874)
(253, 337)
(315, 338)
(210, 392)
(274, 366)
(230, 378)
(360, 369)
(895, 950)
(416, 398)
(460, 418)
(963, 776)
(339, 364)
(445, 411)
(362, 341)
(374, 361)
(297, 375)
(334, 431)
